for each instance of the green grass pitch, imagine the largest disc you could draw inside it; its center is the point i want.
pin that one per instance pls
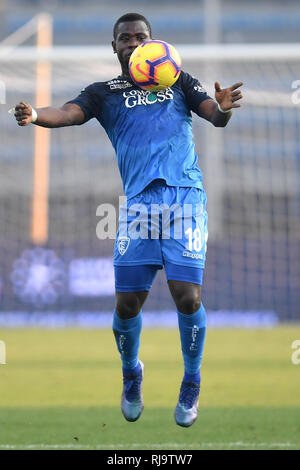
(60, 389)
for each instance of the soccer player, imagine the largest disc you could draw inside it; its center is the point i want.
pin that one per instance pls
(153, 141)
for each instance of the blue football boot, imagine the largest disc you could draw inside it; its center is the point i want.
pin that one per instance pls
(132, 403)
(186, 411)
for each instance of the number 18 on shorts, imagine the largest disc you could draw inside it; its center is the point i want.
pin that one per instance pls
(174, 231)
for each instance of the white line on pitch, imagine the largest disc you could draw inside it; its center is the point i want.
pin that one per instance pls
(148, 446)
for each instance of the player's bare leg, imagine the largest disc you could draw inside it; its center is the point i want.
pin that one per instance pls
(187, 296)
(127, 328)
(192, 327)
(129, 304)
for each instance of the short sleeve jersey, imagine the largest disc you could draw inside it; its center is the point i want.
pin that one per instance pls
(150, 132)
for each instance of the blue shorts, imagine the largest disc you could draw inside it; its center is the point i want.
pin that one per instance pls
(140, 278)
(163, 226)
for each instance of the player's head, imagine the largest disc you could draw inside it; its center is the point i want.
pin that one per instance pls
(129, 31)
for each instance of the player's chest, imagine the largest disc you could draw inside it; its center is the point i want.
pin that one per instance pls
(136, 102)
(146, 99)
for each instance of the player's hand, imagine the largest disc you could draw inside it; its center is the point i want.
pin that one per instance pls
(23, 113)
(227, 97)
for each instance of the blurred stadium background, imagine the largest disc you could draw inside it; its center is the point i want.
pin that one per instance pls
(64, 275)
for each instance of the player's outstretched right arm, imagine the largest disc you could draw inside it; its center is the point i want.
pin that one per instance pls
(69, 114)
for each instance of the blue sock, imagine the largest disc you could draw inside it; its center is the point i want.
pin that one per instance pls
(127, 334)
(192, 328)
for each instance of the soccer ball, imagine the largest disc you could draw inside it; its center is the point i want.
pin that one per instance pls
(154, 65)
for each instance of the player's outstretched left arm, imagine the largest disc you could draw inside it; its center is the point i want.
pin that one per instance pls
(220, 111)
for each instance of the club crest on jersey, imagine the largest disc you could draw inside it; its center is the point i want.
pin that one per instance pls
(143, 98)
(123, 244)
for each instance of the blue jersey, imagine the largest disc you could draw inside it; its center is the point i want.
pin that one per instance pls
(150, 132)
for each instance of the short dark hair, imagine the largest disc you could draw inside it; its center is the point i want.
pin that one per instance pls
(131, 17)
